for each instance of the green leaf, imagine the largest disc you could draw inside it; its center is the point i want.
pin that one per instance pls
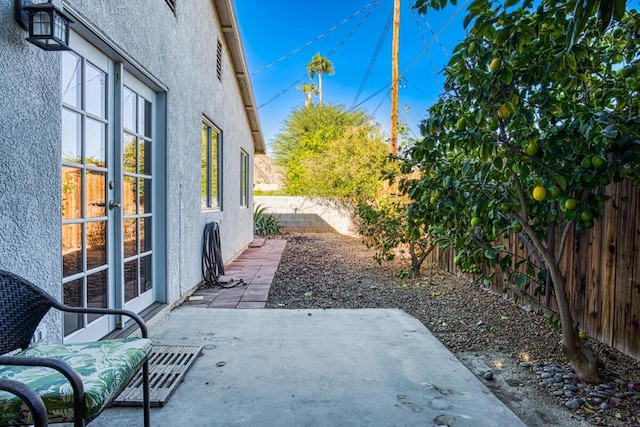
(610, 131)
(510, 3)
(559, 179)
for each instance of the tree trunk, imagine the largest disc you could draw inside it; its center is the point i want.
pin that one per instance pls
(320, 86)
(308, 100)
(579, 353)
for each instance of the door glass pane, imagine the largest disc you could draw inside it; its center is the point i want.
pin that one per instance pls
(95, 134)
(130, 280)
(96, 187)
(71, 137)
(72, 249)
(129, 156)
(130, 237)
(95, 91)
(71, 192)
(74, 297)
(96, 244)
(144, 162)
(145, 273)
(145, 234)
(145, 195)
(144, 117)
(129, 109)
(97, 292)
(71, 79)
(129, 195)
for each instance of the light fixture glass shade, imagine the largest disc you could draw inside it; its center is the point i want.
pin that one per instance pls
(48, 26)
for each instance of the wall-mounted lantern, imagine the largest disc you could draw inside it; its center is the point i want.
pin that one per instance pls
(48, 26)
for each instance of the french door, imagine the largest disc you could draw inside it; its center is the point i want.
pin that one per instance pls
(106, 188)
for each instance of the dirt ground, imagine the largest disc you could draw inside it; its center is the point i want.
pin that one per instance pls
(511, 350)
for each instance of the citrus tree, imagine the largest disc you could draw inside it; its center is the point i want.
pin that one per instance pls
(524, 136)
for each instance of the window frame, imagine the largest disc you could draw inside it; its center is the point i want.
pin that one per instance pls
(244, 179)
(211, 200)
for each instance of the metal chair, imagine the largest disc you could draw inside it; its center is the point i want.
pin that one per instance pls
(22, 307)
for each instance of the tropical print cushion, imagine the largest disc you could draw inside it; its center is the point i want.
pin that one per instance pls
(104, 366)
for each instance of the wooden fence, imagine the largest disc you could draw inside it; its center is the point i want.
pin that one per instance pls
(602, 268)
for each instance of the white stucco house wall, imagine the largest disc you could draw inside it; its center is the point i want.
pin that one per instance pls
(115, 154)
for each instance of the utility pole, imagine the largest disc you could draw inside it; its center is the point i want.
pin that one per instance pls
(394, 77)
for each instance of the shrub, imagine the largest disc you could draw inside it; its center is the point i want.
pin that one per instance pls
(264, 223)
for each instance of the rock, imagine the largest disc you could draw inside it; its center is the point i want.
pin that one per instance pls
(488, 375)
(574, 403)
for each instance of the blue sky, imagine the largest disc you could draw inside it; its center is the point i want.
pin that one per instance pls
(274, 29)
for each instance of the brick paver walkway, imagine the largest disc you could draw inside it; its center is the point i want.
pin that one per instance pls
(256, 266)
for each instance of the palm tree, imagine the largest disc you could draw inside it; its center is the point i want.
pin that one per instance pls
(309, 89)
(318, 65)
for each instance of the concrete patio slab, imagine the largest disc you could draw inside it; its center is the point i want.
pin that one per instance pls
(371, 367)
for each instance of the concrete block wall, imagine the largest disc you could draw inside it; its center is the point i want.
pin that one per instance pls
(303, 215)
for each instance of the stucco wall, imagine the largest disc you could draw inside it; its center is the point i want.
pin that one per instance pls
(303, 215)
(29, 160)
(178, 51)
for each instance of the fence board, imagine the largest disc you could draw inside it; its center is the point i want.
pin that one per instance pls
(602, 269)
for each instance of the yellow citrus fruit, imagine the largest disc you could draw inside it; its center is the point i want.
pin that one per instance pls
(495, 65)
(475, 221)
(539, 193)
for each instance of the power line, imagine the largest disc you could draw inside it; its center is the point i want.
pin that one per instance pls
(310, 42)
(338, 46)
(374, 57)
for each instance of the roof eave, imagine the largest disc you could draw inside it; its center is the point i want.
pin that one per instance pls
(228, 22)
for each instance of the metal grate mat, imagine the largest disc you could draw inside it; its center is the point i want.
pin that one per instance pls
(167, 367)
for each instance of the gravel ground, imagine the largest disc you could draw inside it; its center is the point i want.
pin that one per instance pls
(517, 354)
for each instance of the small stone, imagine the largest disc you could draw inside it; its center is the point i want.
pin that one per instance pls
(545, 375)
(525, 364)
(604, 406)
(488, 376)
(574, 403)
(571, 387)
(620, 382)
(558, 393)
(220, 364)
(598, 395)
(480, 323)
(568, 394)
(616, 400)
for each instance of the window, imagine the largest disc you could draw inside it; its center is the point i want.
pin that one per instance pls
(219, 61)
(211, 167)
(244, 179)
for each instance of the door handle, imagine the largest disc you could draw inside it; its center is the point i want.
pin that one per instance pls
(113, 204)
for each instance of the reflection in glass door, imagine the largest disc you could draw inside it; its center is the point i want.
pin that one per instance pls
(85, 171)
(136, 193)
(106, 190)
